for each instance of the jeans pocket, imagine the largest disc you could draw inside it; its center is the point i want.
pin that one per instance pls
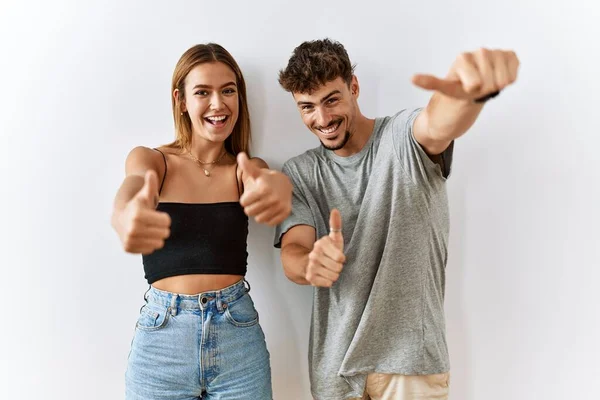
(241, 313)
(152, 318)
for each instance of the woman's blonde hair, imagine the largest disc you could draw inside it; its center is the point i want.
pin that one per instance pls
(240, 138)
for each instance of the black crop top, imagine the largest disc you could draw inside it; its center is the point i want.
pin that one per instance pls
(206, 238)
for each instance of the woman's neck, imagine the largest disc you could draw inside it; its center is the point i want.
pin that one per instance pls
(206, 151)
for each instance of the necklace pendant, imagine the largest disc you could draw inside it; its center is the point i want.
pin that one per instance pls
(207, 173)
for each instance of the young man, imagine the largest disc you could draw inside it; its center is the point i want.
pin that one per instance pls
(369, 225)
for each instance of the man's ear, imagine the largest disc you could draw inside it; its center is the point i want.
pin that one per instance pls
(354, 86)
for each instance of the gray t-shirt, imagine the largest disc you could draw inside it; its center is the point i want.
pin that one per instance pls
(386, 311)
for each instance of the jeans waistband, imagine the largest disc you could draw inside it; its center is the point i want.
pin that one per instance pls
(200, 301)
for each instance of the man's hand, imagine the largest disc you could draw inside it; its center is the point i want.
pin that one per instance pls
(474, 75)
(326, 260)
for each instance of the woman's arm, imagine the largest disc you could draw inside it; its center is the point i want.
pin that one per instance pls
(140, 227)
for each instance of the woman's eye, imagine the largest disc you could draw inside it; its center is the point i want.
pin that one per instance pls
(201, 93)
(229, 91)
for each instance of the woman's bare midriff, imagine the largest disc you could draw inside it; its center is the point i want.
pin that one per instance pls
(196, 283)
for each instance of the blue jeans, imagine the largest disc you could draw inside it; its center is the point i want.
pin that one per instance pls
(208, 346)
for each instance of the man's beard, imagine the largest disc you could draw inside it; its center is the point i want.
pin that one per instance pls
(347, 135)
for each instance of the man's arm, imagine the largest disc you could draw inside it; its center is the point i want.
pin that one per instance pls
(453, 108)
(307, 261)
(296, 245)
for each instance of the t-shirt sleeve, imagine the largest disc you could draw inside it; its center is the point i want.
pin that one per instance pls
(421, 168)
(301, 214)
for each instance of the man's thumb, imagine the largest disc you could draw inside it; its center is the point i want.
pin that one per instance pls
(247, 167)
(335, 227)
(448, 87)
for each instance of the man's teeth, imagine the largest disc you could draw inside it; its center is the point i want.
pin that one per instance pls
(217, 119)
(330, 130)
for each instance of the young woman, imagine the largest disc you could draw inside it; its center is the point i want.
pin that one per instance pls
(185, 208)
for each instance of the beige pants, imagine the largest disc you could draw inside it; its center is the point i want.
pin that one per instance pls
(407, 387)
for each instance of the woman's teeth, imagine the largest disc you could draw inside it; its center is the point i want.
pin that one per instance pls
(217, 119)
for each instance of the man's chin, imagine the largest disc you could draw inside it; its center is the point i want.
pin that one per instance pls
(336, 143)
(332, 146)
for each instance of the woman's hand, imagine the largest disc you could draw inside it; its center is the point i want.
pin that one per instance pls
(267, 194)
(141, 228)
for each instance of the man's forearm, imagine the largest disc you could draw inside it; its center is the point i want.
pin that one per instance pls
(294, 258)
(474, 78)
(449, 118)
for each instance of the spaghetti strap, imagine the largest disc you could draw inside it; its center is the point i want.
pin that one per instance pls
(237, 184)
(165, 174)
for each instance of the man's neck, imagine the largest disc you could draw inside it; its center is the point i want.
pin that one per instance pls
(360, 136)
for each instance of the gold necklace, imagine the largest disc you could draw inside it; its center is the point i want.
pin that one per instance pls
(202, 163)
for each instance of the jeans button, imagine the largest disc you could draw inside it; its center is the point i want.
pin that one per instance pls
(224, 306)
(204, 300)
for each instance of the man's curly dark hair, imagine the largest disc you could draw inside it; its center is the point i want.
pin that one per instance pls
(313, 64)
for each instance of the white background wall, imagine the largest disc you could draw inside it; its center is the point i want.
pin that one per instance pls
(81, 83)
